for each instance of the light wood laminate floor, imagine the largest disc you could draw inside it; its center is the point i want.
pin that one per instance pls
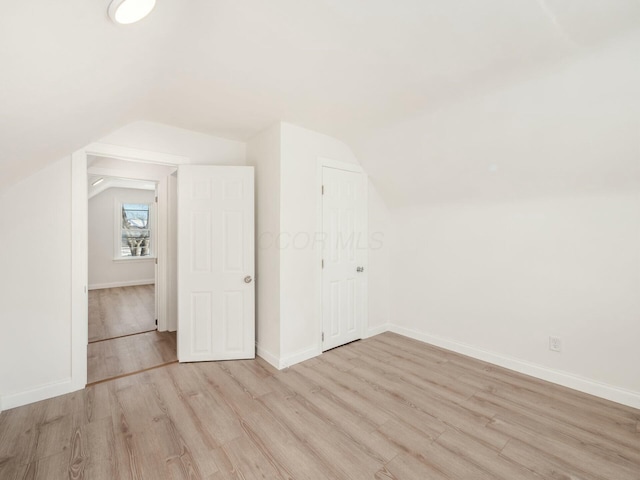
(134, 353)
(383, 408)
(115, 312)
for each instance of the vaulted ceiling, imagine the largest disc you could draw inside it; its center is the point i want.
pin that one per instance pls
(231, 67)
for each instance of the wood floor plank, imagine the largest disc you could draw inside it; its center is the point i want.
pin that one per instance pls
(408, 368)
(47, 468)
(173, 402)
(115, 312)
(385, 408)
(9, 468)
(92, 451)
(476, 453)
(286, 450)
(570, 453)
(248, 462)
(446, 411)
(545, 465)
(121, 356)
(343, 417)
(405, 466)
(333, 450)
(581, 437)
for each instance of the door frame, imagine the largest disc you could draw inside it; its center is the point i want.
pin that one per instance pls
(80, 244)
(323, 162)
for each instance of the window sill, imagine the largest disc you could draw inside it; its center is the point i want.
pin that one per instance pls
(134, 259)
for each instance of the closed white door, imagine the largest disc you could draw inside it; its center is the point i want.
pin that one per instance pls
(216, 295)
(344, 209)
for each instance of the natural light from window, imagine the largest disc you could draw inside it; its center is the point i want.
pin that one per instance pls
(135, 230)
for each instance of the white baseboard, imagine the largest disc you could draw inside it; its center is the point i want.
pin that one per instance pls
(130, 283)
(268, 357)
(284, 362)
(299, 356)
(41, 392)
(373, 331)
(576, 382)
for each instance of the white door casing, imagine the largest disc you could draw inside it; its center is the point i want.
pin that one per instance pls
(216, 294)
(344, 210)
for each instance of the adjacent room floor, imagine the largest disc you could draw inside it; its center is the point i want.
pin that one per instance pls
(122, 333)
(383, 408)
(115, 312)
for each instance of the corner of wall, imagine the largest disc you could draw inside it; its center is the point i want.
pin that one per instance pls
(377, 330)
(299, 356)
(268, 357)
(41, 392)
(569, 380)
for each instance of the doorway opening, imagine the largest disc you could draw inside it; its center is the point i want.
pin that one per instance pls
(128, 233)
(206, 294)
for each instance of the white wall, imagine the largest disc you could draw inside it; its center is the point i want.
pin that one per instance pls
(35, 279)
(300, 149)
(201, 148)
(569, 130)
(35, 298)
(104, 271)
(287, 206)
(516, 216)
(501, 278)
(263, 152)
(379, 262)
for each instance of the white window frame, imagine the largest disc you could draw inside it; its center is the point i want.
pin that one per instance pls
(117, 241)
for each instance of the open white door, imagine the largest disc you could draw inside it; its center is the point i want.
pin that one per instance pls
(344, 211)
(216, 295)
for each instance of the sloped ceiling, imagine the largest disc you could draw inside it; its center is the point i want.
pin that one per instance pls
(231, 67)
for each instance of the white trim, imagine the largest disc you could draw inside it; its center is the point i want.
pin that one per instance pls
(42, 392)
(339, 165)
(112, 182)
(373, 331)
(285, 362)
(365, 275)
(156, 158)
(268, 357)
(79, 245)
(126, 283)
(566, 379)
(323, 162)
(159, 232)
(299, 356)
(120, 173)
(146, 258)
(79, 270)
(134, 154)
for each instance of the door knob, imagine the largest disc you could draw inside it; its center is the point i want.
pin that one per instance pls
(360, 269)
(248, 279)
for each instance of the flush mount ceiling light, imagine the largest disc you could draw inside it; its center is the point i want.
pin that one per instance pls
(130, 11)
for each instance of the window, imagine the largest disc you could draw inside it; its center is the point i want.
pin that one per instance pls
(135, 229)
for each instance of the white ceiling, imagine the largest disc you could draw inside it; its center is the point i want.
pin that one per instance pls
(231, 67)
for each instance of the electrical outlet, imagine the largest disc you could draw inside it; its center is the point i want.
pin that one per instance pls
(555, 344)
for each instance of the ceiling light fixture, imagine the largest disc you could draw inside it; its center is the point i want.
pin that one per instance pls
(100, 180)
(130, 11)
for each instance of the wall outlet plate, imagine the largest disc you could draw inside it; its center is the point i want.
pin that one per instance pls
(555, 344)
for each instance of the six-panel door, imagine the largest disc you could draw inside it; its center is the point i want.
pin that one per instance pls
(345, 246)
(216, 294)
